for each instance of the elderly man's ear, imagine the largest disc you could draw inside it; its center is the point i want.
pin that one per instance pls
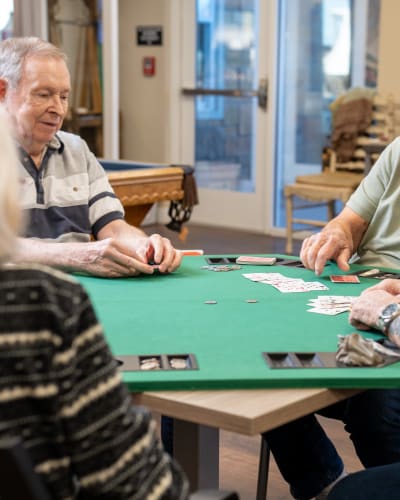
(3, 88)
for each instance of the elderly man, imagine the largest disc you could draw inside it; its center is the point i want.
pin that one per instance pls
(383, 481)
(367, 231)
(64, 191)
(62, 396)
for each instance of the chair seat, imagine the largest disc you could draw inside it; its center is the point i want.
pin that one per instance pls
(319, 192)
(325, 188)
(337, 179)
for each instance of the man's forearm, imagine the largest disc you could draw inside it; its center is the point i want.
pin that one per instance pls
(120, 229)
(68, 257)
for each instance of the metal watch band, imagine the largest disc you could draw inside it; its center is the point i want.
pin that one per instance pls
(390, 321)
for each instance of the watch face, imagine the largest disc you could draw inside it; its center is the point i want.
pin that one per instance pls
(386, 316)
(389, 310)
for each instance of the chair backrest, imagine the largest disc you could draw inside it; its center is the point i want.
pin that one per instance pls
(18, 478)
(355, 149)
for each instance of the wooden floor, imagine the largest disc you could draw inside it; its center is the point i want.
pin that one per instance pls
(239, 454)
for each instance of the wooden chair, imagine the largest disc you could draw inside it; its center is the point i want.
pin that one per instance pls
(20, 482)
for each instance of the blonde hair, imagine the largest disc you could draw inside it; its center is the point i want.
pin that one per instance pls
(10, 209)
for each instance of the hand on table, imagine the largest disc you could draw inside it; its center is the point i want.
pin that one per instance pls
(390, 285)
(365, 309)
(160, 251)
(319, 248)
(112, 258)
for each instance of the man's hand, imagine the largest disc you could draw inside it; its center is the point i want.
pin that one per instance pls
(158, 250)
(389, 285)
(329, 244)
(365, 309)
(338, 240)
(108, 258)
(113, 258)
(145, 250)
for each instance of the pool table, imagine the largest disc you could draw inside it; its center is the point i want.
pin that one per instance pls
(140, 185)
(230, 385)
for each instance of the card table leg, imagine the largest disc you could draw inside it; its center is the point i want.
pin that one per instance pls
(196, 448)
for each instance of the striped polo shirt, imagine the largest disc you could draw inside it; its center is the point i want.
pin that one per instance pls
(69, 197)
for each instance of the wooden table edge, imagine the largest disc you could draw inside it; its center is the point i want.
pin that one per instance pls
(248, 412)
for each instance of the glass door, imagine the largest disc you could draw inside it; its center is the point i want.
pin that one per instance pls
(225, 109)
(6, 19)
(326, 47)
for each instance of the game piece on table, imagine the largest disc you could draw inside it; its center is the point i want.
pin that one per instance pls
(367, 273)
(193, 252)
(383, 275)
(220, 260)
(223, 268)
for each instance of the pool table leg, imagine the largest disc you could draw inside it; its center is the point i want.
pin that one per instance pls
(196, 448)
(135, 214)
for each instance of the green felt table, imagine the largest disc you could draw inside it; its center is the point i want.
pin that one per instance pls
(167, 314)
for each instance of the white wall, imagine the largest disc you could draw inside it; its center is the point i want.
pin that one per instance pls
(144, 100)
(389, 46)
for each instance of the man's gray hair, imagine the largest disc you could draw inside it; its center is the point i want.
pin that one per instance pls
(14, 51)
(10, 209)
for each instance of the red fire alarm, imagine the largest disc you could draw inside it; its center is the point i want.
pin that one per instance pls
(149, 66)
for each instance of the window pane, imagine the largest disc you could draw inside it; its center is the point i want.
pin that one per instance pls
(6, 19)
(225, 59)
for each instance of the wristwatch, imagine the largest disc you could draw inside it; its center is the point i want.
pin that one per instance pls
(386, 316)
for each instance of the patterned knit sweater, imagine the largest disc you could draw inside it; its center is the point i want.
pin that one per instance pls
(62, 396)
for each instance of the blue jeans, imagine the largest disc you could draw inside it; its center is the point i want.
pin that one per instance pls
(308, 460)
(371, 484)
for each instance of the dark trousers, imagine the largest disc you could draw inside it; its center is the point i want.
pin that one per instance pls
(167, 434)
(307, 458)
(370, 484)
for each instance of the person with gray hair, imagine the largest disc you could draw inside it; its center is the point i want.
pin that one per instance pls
(61, 394)
(74, 220)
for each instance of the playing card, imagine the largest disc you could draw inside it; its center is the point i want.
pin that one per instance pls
(286, 284)
(329, 312)
(264, 276)
(330, 304)
(345, 278)
(290, 287)
(315, 285)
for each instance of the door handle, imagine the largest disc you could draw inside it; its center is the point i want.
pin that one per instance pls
(219, 92)
(261, 93)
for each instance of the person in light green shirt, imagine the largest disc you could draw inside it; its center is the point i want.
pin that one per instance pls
(367, 231)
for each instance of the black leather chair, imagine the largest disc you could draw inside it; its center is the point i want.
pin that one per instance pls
(20, 482)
